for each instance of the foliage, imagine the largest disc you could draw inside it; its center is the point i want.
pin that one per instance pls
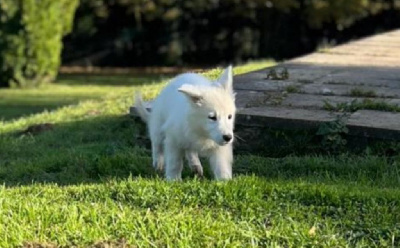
(333, 134)
(292, 89)
(31, 34)
(173, 32)
(359, 92)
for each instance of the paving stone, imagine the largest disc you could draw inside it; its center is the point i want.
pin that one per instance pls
(358, 81)
(373, 73)
(346, 89)
(308, 73)
(348, 59)
(246, 98)
(373, 44)
(375, 119)
(376, 78)
(319, 101)
(264, 85)
(313, 101)
(297, 74)
(364, 50)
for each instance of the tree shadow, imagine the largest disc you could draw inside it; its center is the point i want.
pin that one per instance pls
(111, 79)
(14, 110)
(16, 103)
(101, 148)
(77, 152)
(85, 151)
(21, 103)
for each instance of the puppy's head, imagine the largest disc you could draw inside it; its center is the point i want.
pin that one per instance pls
(213, 109)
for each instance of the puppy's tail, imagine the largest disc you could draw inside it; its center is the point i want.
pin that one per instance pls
(141, 109)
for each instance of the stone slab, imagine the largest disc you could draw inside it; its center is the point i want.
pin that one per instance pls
(283, 117)
(364, 123)
(345, 90)
(375, 124)
(307, 101)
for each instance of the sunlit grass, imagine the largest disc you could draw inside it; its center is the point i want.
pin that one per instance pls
(89, 181)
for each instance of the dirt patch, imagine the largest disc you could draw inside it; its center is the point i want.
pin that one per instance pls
(38, 128)
(38, 245)
(101, 244)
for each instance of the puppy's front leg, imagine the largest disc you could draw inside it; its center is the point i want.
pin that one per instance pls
(194, 162)
(158, 156)
(173, 161)
(221, 162)
(157, 140)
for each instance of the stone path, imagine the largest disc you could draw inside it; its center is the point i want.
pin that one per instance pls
(363, 73)
(359, 74)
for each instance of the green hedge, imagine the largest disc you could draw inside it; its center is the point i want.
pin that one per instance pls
(31, 34)
(211, 32)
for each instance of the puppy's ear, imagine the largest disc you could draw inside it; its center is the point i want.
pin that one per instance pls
(192, 93)
(226, 79)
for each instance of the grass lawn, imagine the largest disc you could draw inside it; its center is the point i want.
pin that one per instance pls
(87, 182)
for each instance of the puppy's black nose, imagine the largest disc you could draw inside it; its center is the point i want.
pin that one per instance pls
(227, 137)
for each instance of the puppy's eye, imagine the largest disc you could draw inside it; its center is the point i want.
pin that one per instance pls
(229, 117)
(212, 117)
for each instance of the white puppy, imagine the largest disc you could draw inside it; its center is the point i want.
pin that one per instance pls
(192, 116)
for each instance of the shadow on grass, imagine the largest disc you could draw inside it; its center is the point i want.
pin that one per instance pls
(72, 153)
(19, 105)
(111, 79)
(101, 148)
(68, 90)
(16, 109)
(87, 151)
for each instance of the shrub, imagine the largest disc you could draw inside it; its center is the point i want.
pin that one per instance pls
(211, 32)
(31, 34)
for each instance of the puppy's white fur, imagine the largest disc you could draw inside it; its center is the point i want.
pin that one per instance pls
(192, 116)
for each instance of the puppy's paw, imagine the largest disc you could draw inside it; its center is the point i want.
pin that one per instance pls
(198, 170)
(158, 165)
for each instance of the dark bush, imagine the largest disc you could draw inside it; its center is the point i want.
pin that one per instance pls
(31, 34)
(182, 32)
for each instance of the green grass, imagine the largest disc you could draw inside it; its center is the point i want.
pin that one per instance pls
(356, 105)
(248, 211)
(89, 181)
(292, 89)
(358, 92)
